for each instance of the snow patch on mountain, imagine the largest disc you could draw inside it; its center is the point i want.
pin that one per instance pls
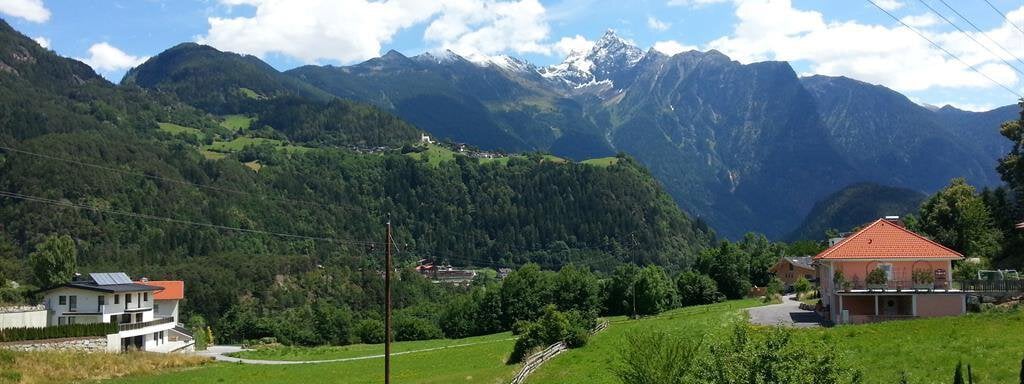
(610, 55)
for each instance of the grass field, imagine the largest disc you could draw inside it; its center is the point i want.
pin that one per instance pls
(435, 154)
(236, 122)
(65, 367)
(332, 352)
(601, 161)
(176, 129)
(592, 364)
(928, 349)
(239, 143)
(478, 363)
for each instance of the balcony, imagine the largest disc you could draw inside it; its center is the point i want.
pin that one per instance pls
(995, 286)
(144, 324)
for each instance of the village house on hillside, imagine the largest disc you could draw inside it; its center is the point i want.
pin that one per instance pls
(145, 312)
(791, 269)
(885, 271)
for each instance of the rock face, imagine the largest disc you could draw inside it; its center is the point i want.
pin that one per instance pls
(85, 344)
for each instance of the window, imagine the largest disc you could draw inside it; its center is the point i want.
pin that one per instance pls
(127, 298)
(156, 336)
(888, 270)
(72, 302)
(790, 266)
(61, 320)
(113, 318)
(138, 317)
(71, 320)
(63, 300)
(117, 299)
(101, 299)
(156, 307)
(145, 296)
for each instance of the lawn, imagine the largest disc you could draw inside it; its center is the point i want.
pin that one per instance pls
(236, 122)
(241, 142)
(602, 161)
(64, 367)
(928, 349)
(592, 363)
(176, 129)
(332, 352)
(478, 363)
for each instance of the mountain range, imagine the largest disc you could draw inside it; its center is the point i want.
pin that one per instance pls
(746, 147)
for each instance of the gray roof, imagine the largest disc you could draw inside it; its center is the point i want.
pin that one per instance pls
(108, 282)
(802, 261)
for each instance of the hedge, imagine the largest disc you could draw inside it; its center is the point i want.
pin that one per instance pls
(57, 332)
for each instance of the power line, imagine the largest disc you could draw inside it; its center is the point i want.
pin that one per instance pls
(969, 35)
(1004, 16)
(68, 204)
(183, 182)
(936, 45)
(982, 32)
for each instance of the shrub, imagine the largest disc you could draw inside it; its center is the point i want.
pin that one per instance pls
(696, 288)
(578, 337)
(409, 328)
(801, 286)
(370, 331)
(876, 277)
(56, 332)
(922, 276)
(657, 358)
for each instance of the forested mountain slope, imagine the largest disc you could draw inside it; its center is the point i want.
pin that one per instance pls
(111, 179)
(856, 205)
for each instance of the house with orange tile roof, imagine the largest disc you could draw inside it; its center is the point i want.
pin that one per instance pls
(166, 303)
(885, 271)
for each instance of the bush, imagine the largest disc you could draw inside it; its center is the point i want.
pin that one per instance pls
(876, 277)
(922, 276)
(408, 328)
(657, 358)
(370, 331)
(57, 332)
(578, 337)
(696, 288)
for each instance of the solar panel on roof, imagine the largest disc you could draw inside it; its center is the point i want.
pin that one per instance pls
(121, 278)
(102, 278)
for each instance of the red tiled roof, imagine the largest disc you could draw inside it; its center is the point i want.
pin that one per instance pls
(885, 240)
(172, 289)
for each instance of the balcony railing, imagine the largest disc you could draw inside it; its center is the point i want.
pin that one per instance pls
(1008, 286)
(144, 324)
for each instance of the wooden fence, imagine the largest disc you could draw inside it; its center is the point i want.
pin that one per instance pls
(537, 359)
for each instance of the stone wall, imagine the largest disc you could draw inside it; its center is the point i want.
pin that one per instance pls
(86, 344)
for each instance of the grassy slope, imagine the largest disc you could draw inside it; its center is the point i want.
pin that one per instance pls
(602, 161)
(239, 143)
(592, 364)
(176, 129)
(928, 349)
(64, 367)
(480, 363)
(236, 122)
(330, 352)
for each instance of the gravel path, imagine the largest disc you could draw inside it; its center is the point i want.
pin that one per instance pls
(787, 314)
(220, 353)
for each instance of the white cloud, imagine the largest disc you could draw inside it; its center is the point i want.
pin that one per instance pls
(657, 25)
(920, 21)
(488, 27)
(104, 57)
(893, 56)
(353, 30)
(42, 41)
(568, 45)
(890, 5)
(672, 47)
(695, 3)
(31, 10)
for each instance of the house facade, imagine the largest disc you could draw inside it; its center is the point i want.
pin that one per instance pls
(112, 298)
(791, 269)
(913, 277)
(167, 303)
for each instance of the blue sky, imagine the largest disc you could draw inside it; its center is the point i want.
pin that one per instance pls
(832, 37)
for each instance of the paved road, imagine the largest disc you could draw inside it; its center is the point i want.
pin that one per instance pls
(787, 314)
(220, 353)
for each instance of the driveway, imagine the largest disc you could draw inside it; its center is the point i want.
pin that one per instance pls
(787, 314)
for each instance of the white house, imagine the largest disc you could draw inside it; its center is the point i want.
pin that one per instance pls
(166, 303)
(112, 298)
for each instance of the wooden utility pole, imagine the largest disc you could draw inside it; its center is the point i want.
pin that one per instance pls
(387, 301)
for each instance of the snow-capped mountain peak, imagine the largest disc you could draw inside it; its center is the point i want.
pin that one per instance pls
(610, 55)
